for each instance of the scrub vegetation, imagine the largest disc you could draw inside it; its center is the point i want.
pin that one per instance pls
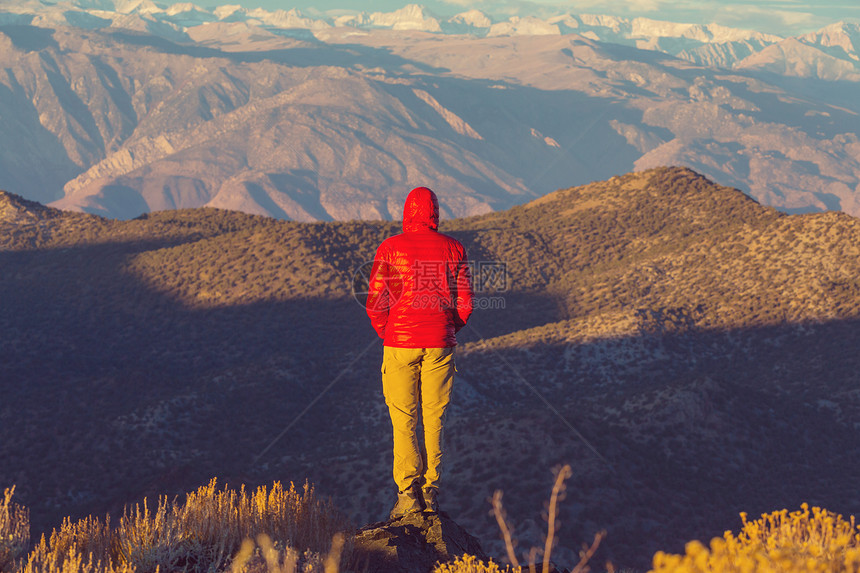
(804, 541)
(295, 531)
(294, 528)
(14, 530)
(695, 338)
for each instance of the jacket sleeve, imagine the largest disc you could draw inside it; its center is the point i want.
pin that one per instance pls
(463, 294)
(378, 294)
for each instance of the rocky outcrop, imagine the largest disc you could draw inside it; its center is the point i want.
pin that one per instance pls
(412, 544)
(16, 209)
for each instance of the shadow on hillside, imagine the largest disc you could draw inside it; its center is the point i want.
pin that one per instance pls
(121, 391)
(574, 143)
(113, 391)
(316, 54)
(693, 428)
(828, 121)
(30, 38)
(582, 146)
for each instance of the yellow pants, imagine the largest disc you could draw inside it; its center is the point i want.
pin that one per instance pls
(417, 380)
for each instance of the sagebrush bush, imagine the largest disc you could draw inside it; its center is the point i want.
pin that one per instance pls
(268, 557)
(471, 564)
(201, 535)
(14, 530)
(801, 541)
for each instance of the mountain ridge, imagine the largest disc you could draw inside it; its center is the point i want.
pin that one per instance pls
(340, 122)
(703, 345)
(17, 210)
(684, 40)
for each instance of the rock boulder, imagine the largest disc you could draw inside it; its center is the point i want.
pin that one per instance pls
(411, 544)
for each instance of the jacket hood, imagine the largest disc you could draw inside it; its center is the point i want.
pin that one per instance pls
(421, 211)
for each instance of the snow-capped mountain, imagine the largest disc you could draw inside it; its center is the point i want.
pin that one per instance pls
(793, 57)
(525, 26)
(709, 45)
(836, 54)
(411, 17)
(832, 53)
(842, 38)
(471, 18)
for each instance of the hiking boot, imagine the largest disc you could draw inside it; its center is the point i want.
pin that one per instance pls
(407, 502)
(430, 502)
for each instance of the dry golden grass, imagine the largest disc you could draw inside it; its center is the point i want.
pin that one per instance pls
(14, 530)
(471, 564)
(804, 541)
(213, 531)
(294, 526)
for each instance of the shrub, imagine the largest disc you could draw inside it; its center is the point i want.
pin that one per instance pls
(77, 547)
(201, 535)
(14, 530)
(471, 564)
(800, 541)
(269, 557)
(47, 559)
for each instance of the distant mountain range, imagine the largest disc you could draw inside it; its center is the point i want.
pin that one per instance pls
(691, 353)
(710, 44)
(125, 107)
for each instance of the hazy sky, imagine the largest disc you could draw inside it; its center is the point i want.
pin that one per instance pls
(782, 17)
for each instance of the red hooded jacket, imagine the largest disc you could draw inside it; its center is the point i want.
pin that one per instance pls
(420, 291)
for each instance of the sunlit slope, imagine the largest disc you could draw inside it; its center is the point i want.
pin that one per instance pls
(690, 352)
(613, 253)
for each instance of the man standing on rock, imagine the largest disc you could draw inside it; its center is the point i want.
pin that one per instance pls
(419, 297)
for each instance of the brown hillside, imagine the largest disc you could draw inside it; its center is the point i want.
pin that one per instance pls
(670, 238)
(688, 351)
(15, 209)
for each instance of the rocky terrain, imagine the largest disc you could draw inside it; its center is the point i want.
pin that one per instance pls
(412, 543)
(689, 352)
(128, 107)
